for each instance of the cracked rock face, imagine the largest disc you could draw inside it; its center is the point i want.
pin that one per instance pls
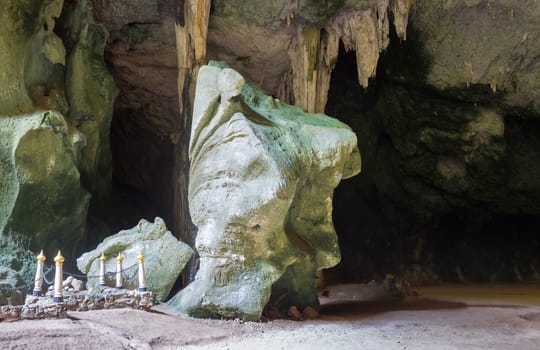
(56, 106)
(42, 203)
(261, 184)
(164, 257)
(481, 42)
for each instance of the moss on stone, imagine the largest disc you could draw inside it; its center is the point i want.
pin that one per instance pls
(311, 38)
(90, 92)
(42, 203)
(440, 166)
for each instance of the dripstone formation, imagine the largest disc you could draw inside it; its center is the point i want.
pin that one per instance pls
(262, 177)
(165, 257)
(56, 98)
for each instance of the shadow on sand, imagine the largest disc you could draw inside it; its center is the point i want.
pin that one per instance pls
(365, 309)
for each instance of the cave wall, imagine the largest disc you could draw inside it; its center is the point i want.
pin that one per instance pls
(141, 53)
(56, 98)
(267, 44)
(449, 188)
(442, 95)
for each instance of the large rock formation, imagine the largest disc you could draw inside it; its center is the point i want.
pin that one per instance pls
(262, 178)
(288, 48)
(164, 257)
(12, 287)
(478, 42)
(450, 131)
(301, 41)
(449, 125)
(43, 71)
(56, 109)
(90, 93)
(42, 203)
(32, 57)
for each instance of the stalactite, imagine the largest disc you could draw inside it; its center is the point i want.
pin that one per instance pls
(314, 52)
(400, 9)
(359, 31)
(191, 32)
(313, 55)
(191, 44)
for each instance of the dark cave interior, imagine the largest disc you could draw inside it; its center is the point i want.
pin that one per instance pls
(141, 188)
(392, 218)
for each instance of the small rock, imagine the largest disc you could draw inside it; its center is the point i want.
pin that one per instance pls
(310, 313)
(28, 313)
(77, 285)
(67, 282)
(294, 313)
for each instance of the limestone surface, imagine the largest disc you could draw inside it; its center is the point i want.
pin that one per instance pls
(42, 203)
(475, 42)
(261, 183)
(164, 257)
(51, 54)
(31, 57)
(12, 291)
(91, 93)
(56, 107)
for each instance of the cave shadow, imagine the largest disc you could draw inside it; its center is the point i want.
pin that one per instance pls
(359, 310)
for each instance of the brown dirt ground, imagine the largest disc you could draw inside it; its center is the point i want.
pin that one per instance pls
(443, 317)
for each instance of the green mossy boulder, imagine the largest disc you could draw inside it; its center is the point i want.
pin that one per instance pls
(42, 202)
(261, 183)
(164, 257)
(12, 287)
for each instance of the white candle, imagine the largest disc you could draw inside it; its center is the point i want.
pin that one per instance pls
(38, 281)
(142, 277)
(58, 275)
(119, 282)
(102, 260)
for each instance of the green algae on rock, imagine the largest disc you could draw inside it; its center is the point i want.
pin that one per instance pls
(164, 257)
(261, 184)
(55, 114)
(90, 92)
(12, 291)
(41, 198)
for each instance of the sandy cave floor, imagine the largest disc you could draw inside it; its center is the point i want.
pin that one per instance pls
(443, 317)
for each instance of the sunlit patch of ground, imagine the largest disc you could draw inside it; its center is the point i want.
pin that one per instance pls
(480, 316)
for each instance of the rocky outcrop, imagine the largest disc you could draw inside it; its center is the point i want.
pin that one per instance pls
(164, 257)
(295, 44)
(90, 93)
(313, 51)
(288, 48)
(42, 202)
(275, 167)
(12, 287)
(32, 57)
(67, 74)
(55, 114)
(480, 42)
